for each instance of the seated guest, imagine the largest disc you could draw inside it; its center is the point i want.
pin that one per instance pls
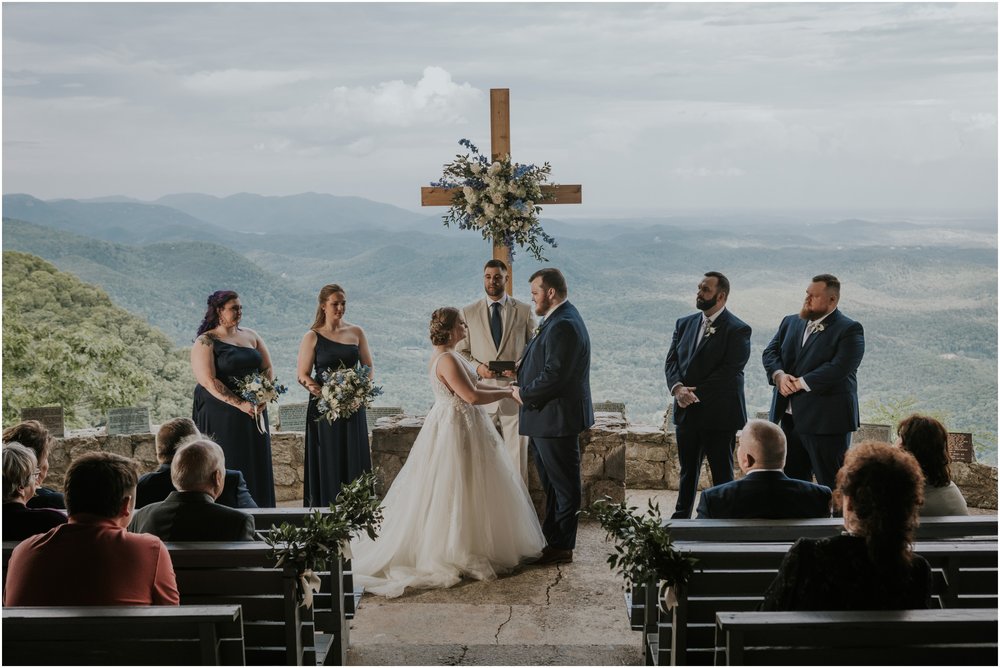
(33, 434)
(765, 492)
(157, 485)
(191, 513)
(20, 478)
(871, 565)
(926, 439)
(92, 560)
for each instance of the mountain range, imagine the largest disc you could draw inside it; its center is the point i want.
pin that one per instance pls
(909, 283)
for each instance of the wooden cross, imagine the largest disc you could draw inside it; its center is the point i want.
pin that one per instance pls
(500, 147)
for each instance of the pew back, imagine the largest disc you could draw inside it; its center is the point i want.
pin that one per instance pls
(119, 635)
(732, 577)
(900, 637)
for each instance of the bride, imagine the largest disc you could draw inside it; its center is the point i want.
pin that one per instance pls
(457, 508)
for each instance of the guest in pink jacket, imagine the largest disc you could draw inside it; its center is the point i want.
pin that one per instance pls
(93, 560)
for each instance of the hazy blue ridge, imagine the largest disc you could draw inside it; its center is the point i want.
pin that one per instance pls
(926, 296)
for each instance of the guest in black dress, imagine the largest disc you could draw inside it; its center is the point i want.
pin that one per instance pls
(32, 434)
(337, 452)
(224, 351)
(871, 565)
(20, 478)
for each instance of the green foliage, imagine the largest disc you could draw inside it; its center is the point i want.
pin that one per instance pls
(643, 549)
(65, 343)
(321, 537)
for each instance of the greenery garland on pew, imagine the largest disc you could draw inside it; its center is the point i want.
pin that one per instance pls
(643, 547)
(323, 537)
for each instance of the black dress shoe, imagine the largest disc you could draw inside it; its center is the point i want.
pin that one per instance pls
(554, 555)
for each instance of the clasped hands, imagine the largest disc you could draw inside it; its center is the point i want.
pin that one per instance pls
(788, 384)
(685, 396)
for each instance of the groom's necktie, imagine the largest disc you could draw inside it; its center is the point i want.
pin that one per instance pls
(496, 324)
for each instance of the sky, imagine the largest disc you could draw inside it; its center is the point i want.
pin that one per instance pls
(654, 108)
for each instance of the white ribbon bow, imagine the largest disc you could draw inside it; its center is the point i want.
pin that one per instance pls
(310, 585)
(667, 598)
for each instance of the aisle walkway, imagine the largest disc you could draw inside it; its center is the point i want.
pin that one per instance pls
(571, 614)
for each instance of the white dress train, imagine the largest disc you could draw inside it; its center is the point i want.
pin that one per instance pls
(456, 509)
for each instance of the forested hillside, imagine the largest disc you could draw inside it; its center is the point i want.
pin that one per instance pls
(65, 343)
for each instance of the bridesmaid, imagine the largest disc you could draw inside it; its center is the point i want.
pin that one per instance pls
(337, 452)
(223, 351)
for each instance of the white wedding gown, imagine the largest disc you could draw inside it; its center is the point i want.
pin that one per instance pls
(457, 508)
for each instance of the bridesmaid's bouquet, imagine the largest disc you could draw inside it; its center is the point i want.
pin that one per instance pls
(258, 389)
(346, 391)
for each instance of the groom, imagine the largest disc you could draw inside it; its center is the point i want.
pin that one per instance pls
(554, 392)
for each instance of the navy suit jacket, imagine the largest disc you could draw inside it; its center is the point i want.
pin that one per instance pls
(714, 369)
(156, 486)
(766, 495)
(828, 363)
(554, 377)
(192, 516)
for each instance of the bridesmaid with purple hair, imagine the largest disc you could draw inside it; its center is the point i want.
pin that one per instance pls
(222, 352)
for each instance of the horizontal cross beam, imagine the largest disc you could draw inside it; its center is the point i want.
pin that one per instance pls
(565, 194)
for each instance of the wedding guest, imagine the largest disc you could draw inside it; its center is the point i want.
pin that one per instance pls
(156, 485)
(20, 479)
(765, 491)
(191, 513)
(335, 452)
(926, 439)
(871, 566)
(33, 434)
(93, 560)
(499, 329)
(223, 353)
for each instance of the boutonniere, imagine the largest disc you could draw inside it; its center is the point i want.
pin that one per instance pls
(535, 332)
(709, 331)
(816, 327)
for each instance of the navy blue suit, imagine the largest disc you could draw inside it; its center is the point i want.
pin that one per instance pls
(766, 495)
(156, 486)
(713, 365)
(822, 420)
(554, 380)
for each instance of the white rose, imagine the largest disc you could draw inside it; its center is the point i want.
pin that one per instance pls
(489, 212)
(468, 192)
(472, 197)
(494, 169)
(475, 167)
(497, 197)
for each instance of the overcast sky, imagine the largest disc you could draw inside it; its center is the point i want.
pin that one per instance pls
(654, 108)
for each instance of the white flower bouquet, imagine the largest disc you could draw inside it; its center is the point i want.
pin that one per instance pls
(498, 198)
(258, 389)
(345, 391)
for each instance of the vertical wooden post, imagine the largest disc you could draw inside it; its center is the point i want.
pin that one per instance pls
(500, 148)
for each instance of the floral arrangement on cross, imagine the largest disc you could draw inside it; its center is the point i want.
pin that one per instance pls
(499, 198)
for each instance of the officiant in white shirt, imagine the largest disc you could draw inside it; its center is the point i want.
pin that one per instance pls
(499, 329)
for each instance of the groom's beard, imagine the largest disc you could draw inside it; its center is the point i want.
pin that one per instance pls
(542, 306)
(706, 304)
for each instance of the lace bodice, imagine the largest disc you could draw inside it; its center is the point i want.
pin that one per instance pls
(441, 392)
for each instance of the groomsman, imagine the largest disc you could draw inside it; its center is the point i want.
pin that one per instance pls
(499, 329)
(704, 370)
(812, 362)
(556, 406)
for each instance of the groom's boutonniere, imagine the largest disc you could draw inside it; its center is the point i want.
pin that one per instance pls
(816, 327)
(709, 331)
(537, 329)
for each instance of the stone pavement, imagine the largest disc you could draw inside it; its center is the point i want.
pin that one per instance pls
(569, 614)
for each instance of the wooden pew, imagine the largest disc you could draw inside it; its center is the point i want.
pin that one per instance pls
(207, 635)
(277, 629)
(265, 518)
(766, 531)
(732, 577)
(900, 637)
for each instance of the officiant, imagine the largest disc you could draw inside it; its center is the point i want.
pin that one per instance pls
(499, 329)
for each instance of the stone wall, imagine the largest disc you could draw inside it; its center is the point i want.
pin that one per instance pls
(614, 455)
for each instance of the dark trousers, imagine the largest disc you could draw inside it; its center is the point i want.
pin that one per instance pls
(693, 446)
(558, 463)
(821, 455)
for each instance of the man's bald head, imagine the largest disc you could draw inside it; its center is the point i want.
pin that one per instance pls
(762, 446)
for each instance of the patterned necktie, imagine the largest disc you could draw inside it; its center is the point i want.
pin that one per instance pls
(496, 324)
(706, 326)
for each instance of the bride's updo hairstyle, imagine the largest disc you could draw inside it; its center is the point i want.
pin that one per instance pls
(442, 322)
(216, 301)
(324, 294)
